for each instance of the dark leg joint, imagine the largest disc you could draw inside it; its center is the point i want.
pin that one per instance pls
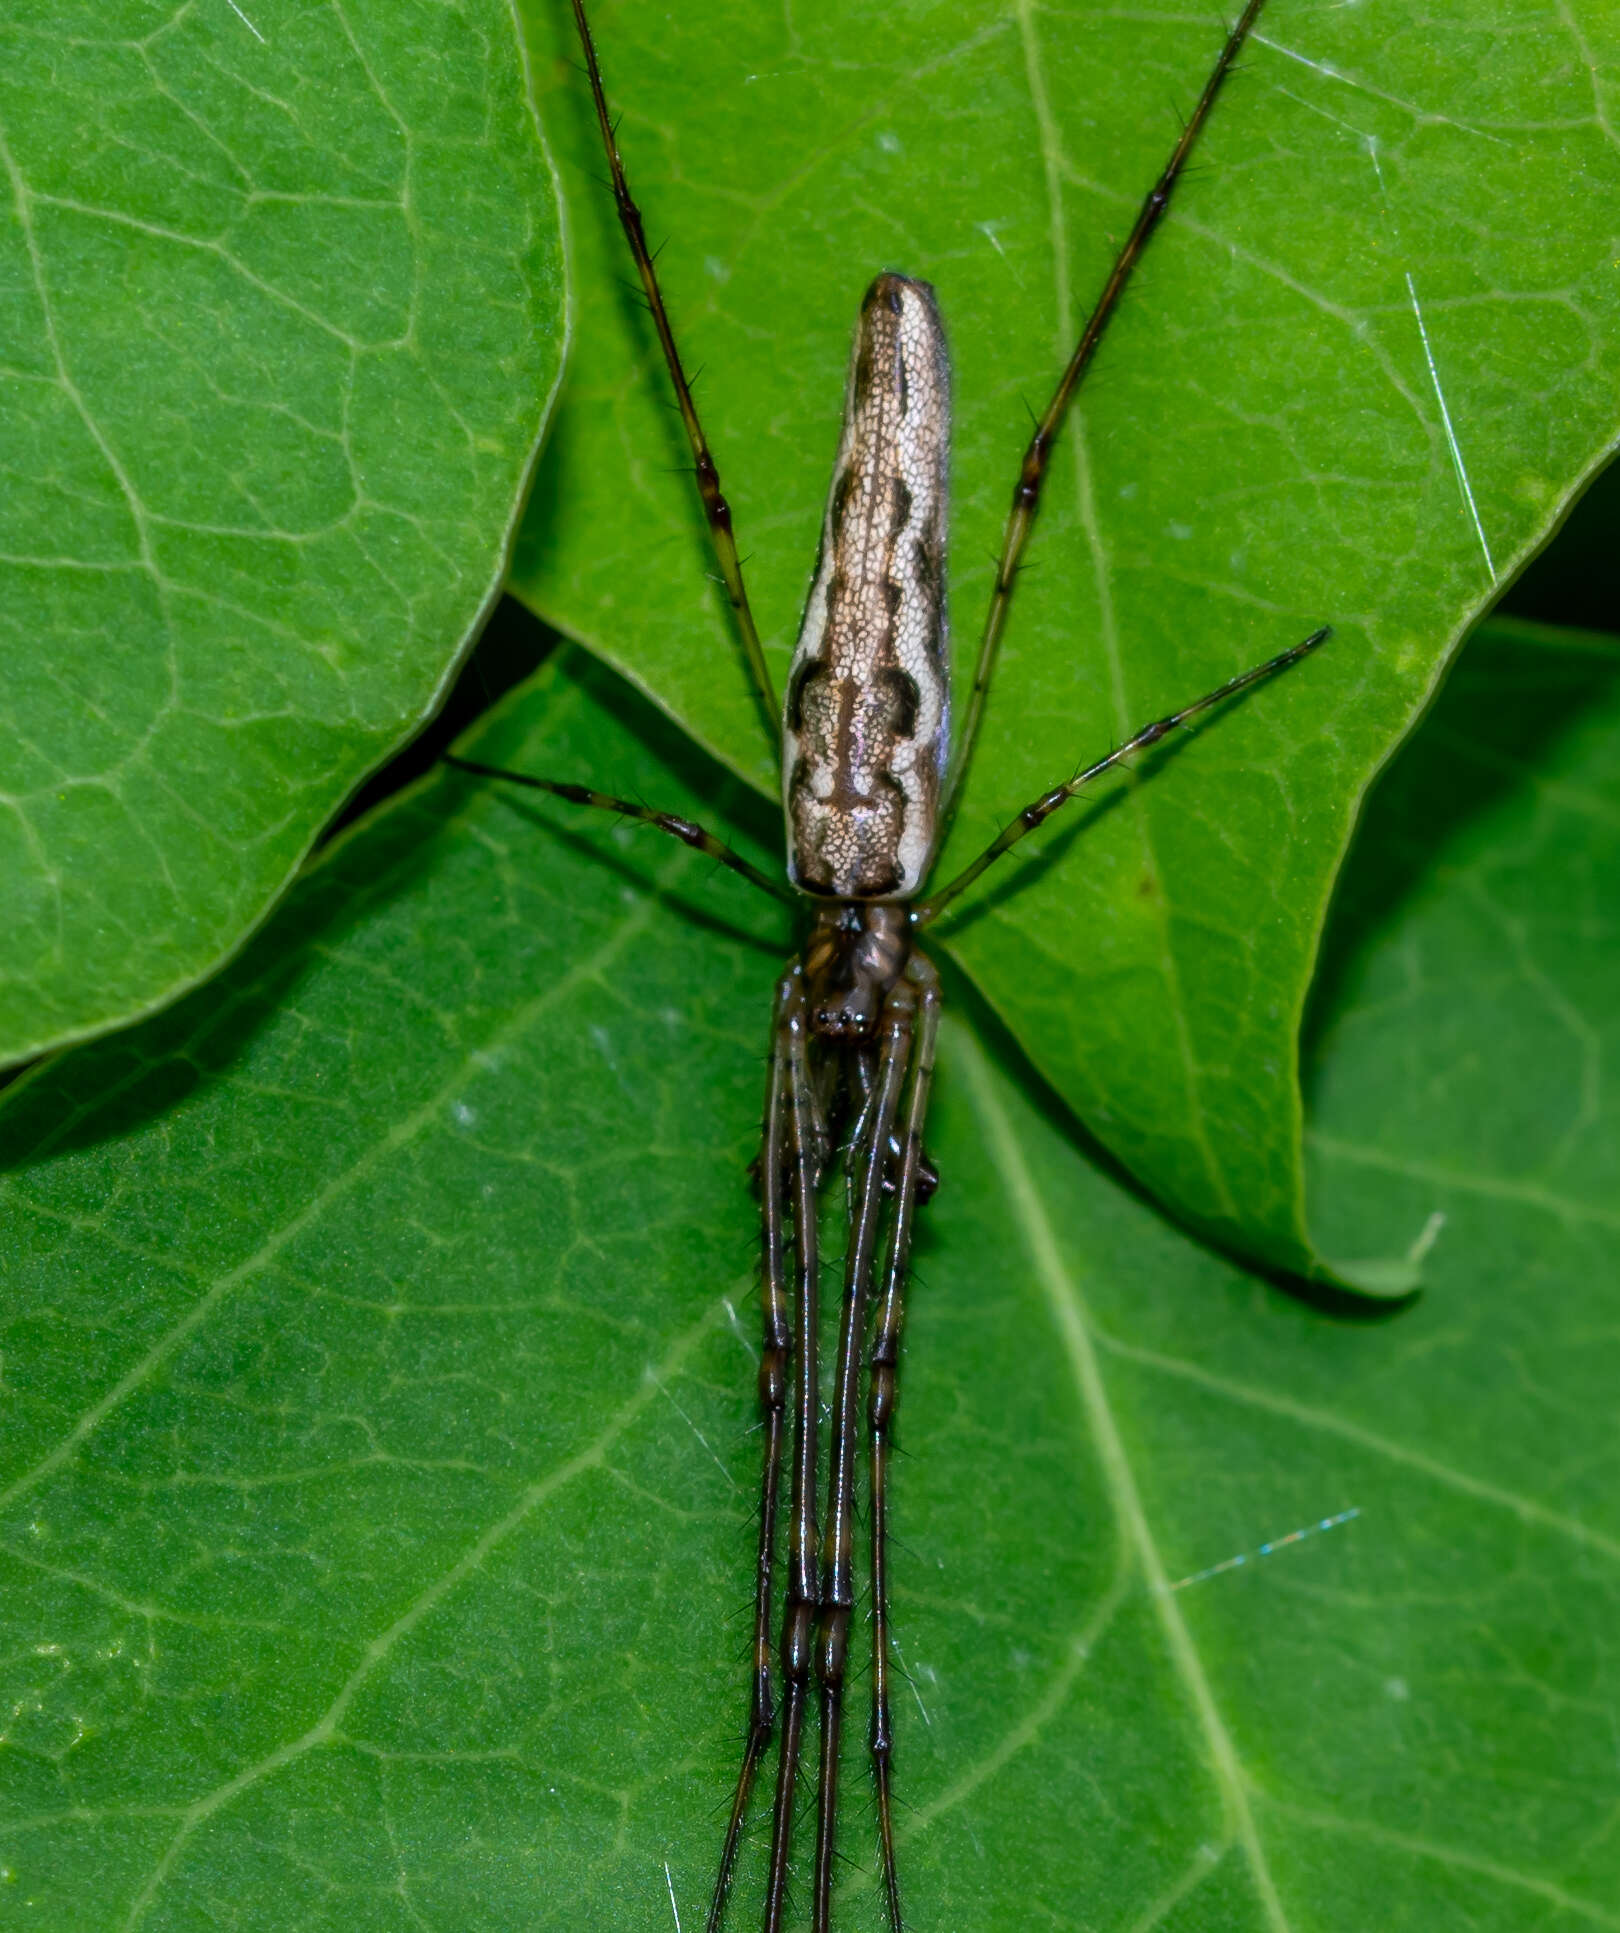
(762, 1713)
(773, 1378)
(832, 1646)
(927, 1173)
(882, 1741)
(798, 1631)
(880, 1395)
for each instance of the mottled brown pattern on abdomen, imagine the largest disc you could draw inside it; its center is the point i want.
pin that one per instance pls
(866, 722)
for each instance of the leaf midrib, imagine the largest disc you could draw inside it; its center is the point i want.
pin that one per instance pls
(1072, 1319)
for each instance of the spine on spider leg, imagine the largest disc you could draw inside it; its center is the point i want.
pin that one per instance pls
(775, 1354)
(1037, 457)
(866, 727)
(799, 1606)
(881, 1394)
(866, 1191)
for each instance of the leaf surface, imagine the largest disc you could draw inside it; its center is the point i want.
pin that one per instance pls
(379, 1380)
(1369, 357)
(281, 309)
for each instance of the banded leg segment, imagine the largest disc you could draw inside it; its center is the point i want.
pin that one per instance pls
(910, 1189)
(868, 1160)
(775, 1356)
(678, 828)
(1038, 811)
(1038, 456)
(807, 1148)
(715, 508)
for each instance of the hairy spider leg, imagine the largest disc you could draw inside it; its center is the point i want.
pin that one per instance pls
(716, 510)
(882, 1392)
(865, 1163)
(1039, 810)
(775, 1170)
(678, 828)
(1038, 456)
(800, 1601)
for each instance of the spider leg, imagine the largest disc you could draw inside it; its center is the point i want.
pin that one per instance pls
(1041, 809)
(677, 828)
(868, 1160)
(881, 1396)
(774, 1165)
(806, 1146)
(715, 508)
(1038, 456)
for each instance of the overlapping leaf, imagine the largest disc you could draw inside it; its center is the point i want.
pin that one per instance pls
(1364, 367)
(378, 1463)
(280, 311)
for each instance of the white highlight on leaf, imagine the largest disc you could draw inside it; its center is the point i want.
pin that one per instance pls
(670, 1883)
(1372, 156)
(1323, 67)
(1451, 435)
(1368, 143)
(1428, 1235)
(1266, 1550)
(1333, 120)
(911, 1679)
(1422, 115)
(247, 23)
(737, 1330)
(652, 1377)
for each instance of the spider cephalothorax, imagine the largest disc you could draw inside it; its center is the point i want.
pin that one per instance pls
(856, 951)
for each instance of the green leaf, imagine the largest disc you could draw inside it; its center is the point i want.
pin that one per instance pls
(378, 1451)
(281, 310)
(1391, 204)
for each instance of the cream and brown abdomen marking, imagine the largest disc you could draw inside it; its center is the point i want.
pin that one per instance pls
(866, 725)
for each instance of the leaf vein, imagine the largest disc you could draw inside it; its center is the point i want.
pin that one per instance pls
(396, 1137)
(1523, 1507)
(325, 1728)
(1073, 1320)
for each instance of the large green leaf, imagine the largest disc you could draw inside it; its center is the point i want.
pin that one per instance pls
(1366, 363)
(378, 1380)
(281, 307)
